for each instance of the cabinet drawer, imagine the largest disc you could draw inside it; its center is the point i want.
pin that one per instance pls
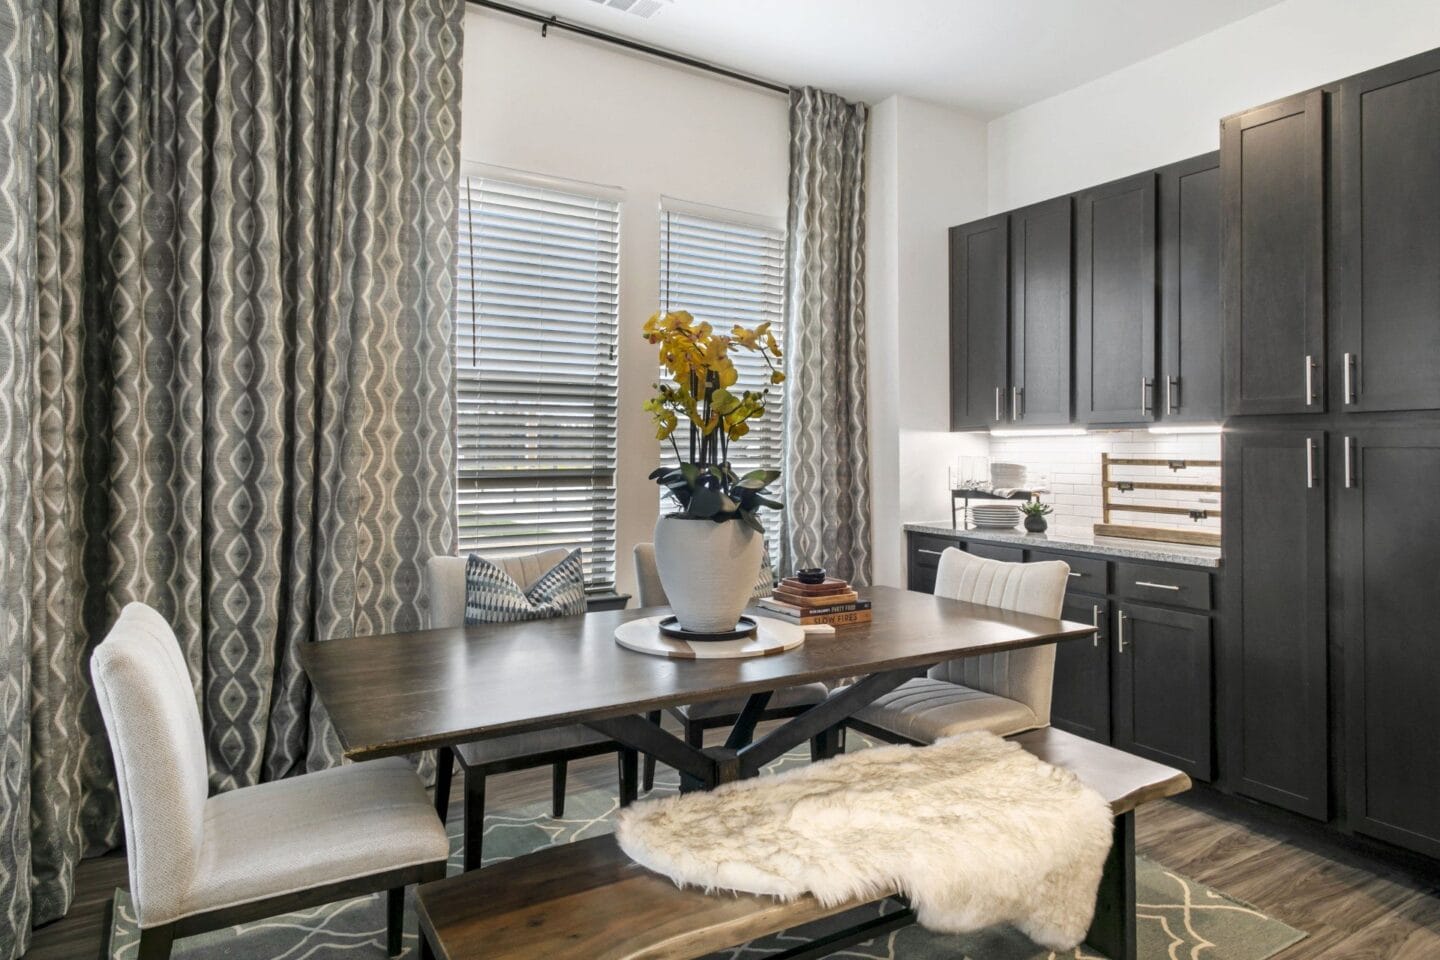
(1087, 574)
(1169, 585)
(992, 552)
(925, 551)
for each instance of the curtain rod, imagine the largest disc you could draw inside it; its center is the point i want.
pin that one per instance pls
(552, 21)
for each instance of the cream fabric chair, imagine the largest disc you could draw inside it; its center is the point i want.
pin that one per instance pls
(699, 717)
(1004, 693)
(199, 863)
(557, 746)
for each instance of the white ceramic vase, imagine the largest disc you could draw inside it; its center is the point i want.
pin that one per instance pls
(708, 570)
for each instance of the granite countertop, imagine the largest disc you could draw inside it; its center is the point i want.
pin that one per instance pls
(1082, 540)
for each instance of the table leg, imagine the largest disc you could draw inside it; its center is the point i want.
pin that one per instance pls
(743, 732)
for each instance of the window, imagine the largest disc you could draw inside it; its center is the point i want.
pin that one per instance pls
(727, 272)
(535, 339)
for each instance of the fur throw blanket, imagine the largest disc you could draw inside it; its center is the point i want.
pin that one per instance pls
(973, 829)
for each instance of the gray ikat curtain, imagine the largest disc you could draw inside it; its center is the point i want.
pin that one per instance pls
(226, 230)
(827, 455)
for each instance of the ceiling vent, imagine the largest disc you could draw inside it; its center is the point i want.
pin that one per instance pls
(645, 9)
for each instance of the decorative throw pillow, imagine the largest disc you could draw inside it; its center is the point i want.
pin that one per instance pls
(493, 596)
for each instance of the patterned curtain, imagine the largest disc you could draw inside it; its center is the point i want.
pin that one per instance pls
(225, 373)
(827, 456)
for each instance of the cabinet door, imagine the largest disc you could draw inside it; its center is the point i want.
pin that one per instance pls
(1081, 701)
(1274, 663)
(1115, 302)
(1272, 171)
(1388, 614)
(1040, 314)
(1388, 127)
(1192, 385)
(1161, 683)
(979, 322)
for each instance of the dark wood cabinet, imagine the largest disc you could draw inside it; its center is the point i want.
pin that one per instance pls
(1388, 618)
(1274, 666)
(1040, 314)
(1388, 158)
(992, 552)
(1161, 670)
(1191, 387)
(1081, 700)
(979, 323)
(1272, 169)
(1115, 293)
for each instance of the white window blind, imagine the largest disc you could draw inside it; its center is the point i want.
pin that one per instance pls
(727, 272)
(535, 340)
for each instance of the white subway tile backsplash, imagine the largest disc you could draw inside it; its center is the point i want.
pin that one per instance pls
(1071, 466)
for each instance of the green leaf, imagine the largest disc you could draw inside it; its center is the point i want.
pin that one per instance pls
(690, 472)
(705, 503)
(765, 477)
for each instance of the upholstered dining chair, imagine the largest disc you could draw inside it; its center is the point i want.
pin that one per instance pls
(200, 863)
(555, 747)
(1004, 693)
(699, 717)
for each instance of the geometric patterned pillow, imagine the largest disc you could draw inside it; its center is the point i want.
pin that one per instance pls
(493, 596)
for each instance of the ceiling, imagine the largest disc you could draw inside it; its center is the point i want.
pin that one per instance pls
(984, 56)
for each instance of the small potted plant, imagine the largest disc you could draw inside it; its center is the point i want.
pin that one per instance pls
(708, 551)
(1035, 513)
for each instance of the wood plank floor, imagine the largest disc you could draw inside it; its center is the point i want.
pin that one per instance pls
(1353, 906)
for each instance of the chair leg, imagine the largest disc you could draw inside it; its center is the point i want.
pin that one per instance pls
(444, 769)
(474, 837)
(629, 762)
(427, 952)
(155, 942)
(394, 920)
(648, 782)
(557, 790)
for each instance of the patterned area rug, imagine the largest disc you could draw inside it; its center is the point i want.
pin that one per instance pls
(1178, 917)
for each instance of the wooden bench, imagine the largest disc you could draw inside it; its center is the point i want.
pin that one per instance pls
(589, 901)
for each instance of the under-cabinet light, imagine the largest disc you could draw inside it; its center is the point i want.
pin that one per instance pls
(1209, 428)
(1060, 432)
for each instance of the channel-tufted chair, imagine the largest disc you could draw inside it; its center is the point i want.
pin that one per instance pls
(1004, 693)
(199, 863)
(555, 747)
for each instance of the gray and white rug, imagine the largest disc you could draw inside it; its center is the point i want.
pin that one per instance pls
(1177, 917)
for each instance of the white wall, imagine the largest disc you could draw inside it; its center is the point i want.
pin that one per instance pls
(566, 107)
(926, 173)
(1168, 107)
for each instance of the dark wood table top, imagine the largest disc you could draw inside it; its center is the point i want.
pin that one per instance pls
(406, 692)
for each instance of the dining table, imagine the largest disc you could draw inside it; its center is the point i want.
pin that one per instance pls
(402, 693)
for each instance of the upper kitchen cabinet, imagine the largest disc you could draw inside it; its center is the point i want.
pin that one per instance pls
(979, 323)
(1272, 170)
(1115, 283)
(1040, 314)
(1192, 383)
(1387, 137)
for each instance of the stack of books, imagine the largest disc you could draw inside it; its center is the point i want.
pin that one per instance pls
(832, 602)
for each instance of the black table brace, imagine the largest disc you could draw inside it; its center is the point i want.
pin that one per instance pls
(743, 757)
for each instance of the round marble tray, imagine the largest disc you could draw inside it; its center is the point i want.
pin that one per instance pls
(771, 637)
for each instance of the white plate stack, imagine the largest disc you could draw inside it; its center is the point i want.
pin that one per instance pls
(994, 516)
(1007, 476)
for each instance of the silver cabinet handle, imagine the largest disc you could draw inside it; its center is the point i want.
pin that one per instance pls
(1074, 574)
(1016, 409)
(1095, 619)
(1349, 462)
(1309, 463)
(1144, 395)
(1347, 376)
(1309, 380)
(1157, 586)
(1120, 632)
(998, 417)
(1170, 403)
(929, 553)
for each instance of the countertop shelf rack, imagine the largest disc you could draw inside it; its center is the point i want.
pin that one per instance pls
(1196, 512)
